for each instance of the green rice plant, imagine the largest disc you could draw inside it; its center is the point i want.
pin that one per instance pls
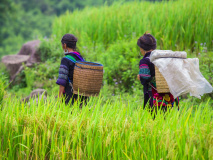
(177, 25)
(121, 65)
(29, 77)
(118, 129)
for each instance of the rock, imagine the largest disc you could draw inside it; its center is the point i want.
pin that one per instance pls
(14, 62)
(31, 48)
(35, 94)
(29, 54)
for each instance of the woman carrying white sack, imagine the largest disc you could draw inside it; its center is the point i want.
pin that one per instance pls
(152, 98)
(182, 74)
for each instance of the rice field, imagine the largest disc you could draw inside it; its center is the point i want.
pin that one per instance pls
(113, 128)
(103, 130)
(177, 25)
(116, 127)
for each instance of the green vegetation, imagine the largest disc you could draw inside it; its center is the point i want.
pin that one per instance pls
(113, 125)
(177, 25)
(109, 34)
(103, 130)
(24, 20)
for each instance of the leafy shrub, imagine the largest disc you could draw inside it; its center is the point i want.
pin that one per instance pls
(1, 90)
(121, 64)
(19, 82)
(3, 86)
(4, 72)
(29, 77)
(206, 68)
(50, 50)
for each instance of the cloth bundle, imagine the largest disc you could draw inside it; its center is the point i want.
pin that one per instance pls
(182, 74)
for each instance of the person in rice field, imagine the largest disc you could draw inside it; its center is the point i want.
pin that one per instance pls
(65, 78)
(147, 44)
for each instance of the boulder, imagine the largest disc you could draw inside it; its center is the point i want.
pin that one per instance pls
(36, 94)
(29, 54)
(14, 62)
(31, 48)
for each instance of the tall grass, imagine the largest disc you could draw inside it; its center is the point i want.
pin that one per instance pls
(103, 130)
(177, 25)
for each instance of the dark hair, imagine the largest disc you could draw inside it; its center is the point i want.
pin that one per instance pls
(70, 40)
(147, 42)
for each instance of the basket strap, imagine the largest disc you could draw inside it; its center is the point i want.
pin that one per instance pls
(72, 59)
(152, 86)
(70, 83)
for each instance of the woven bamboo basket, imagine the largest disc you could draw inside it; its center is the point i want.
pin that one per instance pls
(161, 84)
(87, 78)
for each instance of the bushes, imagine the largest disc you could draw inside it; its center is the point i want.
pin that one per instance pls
(1, 90)
(4, 78)
(3, 86)
(206, 68)
(50, 50)
(121, 64)
(206, 65)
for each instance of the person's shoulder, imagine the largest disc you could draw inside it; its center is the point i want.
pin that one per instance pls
(144, 61)
(69, 58)
(66, 61)
(77, 56)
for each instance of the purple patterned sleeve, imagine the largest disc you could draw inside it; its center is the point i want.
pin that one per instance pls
(144, 72)
(63, 73)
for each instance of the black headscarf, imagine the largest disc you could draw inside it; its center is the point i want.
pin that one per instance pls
(147, 42)
(70, 40)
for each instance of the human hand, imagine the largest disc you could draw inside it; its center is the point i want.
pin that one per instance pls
(138, 77)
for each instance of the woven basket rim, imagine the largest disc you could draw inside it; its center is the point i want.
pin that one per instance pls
(89, 63)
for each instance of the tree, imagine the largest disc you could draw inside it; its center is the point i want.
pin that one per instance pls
(6, 9)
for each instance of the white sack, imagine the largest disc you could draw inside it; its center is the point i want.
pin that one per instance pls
(182, 75)
(166, 53)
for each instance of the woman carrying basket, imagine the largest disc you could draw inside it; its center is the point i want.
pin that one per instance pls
(65, 78)
(147, 44)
